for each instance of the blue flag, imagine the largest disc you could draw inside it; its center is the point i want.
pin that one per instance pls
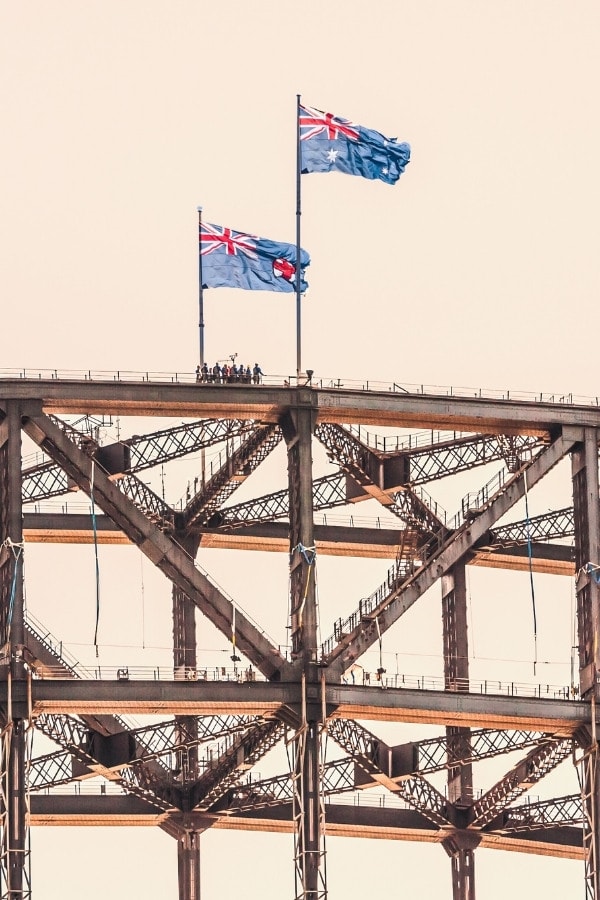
(233, 259)
(329, 143)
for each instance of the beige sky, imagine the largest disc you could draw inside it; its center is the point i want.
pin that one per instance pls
(480, 267)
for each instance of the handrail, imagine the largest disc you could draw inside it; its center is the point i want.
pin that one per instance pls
(355, 677)
(324, 383)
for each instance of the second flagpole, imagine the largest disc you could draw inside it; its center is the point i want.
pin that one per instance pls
(200, 290)
(298, 264)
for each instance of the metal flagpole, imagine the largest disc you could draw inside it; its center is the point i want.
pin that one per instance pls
(298, 268)
(200, 289)
(201, 328)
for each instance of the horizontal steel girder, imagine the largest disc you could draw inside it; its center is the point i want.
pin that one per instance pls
(388, 408)
(273, 537)
(82, 697)
(162, 550)
(343, 820)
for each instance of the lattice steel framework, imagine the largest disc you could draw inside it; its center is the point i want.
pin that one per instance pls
(171, 771)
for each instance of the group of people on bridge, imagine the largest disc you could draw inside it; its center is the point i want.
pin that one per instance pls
(229, 374)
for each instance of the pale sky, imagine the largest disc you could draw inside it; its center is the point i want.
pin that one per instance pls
(479, 268)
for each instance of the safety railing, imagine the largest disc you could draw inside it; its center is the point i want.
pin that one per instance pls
(357, 677)
(157, 673)
(475, 501)
(392, 443)
(322, 383)
(503, 688)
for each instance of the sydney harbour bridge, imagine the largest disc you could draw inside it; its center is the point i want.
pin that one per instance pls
(387, 444)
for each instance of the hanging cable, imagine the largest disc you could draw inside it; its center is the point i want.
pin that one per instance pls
(234, 656)
(574, 644)
(380, 670)
(143, 601)
(530, 558)
(95, 532)
(317, 611)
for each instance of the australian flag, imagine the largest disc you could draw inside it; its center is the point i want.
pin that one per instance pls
(233, 259)
(329, 143)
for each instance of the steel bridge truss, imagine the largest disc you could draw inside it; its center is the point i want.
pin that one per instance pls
(194, 771)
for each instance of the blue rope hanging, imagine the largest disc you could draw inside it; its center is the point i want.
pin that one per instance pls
(95, 533)
(530, 557)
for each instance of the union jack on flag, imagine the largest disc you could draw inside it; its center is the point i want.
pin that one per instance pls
(231, 258)
(330, 143)
(216, 237)
(314, 122)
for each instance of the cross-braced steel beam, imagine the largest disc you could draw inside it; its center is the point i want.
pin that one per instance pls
(561, 812)
(164, 773)
(46, 479)
(356, 634)
(374, 758)
(240, 461)
(161, 549)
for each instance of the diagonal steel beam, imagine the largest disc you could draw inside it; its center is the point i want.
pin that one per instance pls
(356, 459)
(161, 549)
(148, 502)
(535, 766)
(172, 443)
(51, 770)
(392, 599)
(241, 754)
(417, 460)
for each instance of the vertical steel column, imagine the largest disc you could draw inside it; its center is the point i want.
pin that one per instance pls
(586, 509)
(186, 727)
(188, 865)
(463, 874)
(586, 505)
(309, 835)
(456, 677)
(14, 862)
(298, 434)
